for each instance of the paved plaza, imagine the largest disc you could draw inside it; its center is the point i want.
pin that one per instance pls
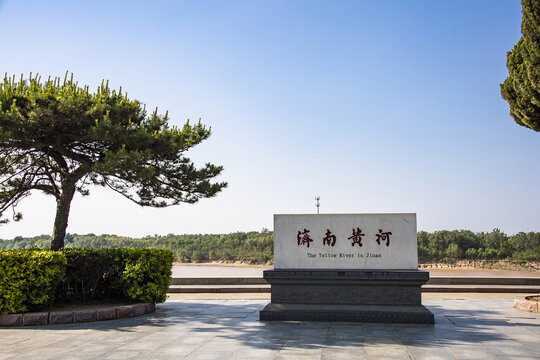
(230, 329)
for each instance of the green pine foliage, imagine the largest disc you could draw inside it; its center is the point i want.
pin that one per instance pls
(29, 278)
(60, 138)
(522, 86)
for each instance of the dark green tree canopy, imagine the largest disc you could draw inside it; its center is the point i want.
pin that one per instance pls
(60, 138)
(522, 87)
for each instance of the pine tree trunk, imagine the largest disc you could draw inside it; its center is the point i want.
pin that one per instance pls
(63, 204)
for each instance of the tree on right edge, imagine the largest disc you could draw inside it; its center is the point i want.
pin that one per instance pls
(522, 86)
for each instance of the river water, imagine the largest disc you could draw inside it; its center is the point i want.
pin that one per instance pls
(198, 270)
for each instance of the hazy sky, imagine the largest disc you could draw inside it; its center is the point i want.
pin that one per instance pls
(376, 106)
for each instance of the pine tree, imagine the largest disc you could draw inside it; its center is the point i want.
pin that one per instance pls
(522, 87)
(60, 138)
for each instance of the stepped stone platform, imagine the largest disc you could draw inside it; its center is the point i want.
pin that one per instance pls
(436, 284)
(238, 280)
(482, 288)
(347, 295)
(410, 314)
(208, 288)
(433, 280)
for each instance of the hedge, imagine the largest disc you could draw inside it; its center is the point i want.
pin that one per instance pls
(133, 275)
(29, 278)
(32, 278)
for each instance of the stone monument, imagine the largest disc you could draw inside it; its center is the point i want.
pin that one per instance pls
(346, 267)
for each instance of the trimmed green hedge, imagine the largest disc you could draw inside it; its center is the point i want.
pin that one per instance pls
(135, 275)
(147, 275)
(29, 278)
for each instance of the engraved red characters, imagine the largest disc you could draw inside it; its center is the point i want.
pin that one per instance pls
(303, 238)
(383, 236)
(329, 239)
(356, 237)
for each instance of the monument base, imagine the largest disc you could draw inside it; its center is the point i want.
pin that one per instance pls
(384, 296)
(411, 314)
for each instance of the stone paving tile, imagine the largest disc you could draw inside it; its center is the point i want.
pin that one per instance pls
(338, 353)
(174, 351)
(214, 355)
(6, 355)
(259, 354)
(193, 340)
(382, 352)
(514, 351)
(419, 352)
(121, 339)
(166, 336)
(299, 356)
(143, 345)
(72, 342)
(344, 335)
(44, 354)
(293, 354)
(270, 344)
(390, 341)
(344, 344)
(295, 345)
(38, 342)
(220, 345)
(238, 314)
(379, 331)
(471, 329)
(122, 354)
(94, 351)
(471, 351)
(10, 339)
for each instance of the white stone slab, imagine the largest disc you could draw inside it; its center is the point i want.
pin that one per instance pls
(292, 235)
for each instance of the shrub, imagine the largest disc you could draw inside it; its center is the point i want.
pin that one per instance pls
(29, 278)
(88, 274)
(147, 274)
(123, 274)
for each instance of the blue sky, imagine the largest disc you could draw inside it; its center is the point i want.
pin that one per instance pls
(379, 106)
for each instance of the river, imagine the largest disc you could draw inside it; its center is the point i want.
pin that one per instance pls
(233, 270)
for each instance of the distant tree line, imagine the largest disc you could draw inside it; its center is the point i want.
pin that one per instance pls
(257, 247)
(464, 244)
(251, 247)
